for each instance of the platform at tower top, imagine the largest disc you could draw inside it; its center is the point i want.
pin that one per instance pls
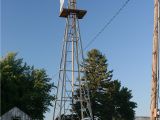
(66, 11)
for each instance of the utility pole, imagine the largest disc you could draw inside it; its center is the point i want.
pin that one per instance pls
(72, 88)
(155, 64)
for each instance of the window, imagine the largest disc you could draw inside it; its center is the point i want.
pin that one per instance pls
(16, 118)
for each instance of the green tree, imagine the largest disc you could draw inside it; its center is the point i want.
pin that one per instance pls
(25, 87)
(109, 100)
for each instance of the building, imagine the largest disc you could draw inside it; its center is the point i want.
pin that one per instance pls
(15, 114)
(143, 118)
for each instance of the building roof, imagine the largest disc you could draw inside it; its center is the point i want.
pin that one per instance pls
(143, 118)
(15, 113)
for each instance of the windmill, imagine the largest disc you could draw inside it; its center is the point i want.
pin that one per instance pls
(72, 87)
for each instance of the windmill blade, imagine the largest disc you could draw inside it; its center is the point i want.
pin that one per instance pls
(61, 5)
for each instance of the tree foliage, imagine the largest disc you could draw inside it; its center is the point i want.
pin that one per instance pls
(25, 87)
(109, 100)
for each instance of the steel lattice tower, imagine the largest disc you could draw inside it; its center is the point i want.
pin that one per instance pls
(72, 87)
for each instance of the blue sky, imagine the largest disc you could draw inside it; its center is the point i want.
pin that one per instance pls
(33, 29)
